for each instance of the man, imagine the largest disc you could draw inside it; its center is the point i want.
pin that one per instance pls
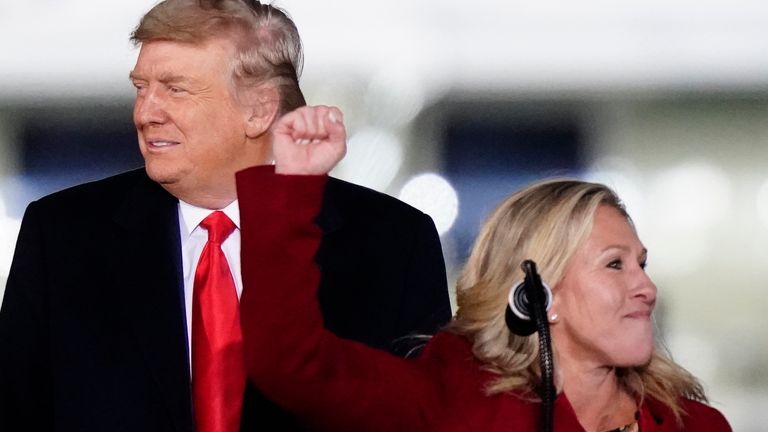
(100, 326)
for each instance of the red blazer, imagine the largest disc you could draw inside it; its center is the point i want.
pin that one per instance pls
(341, 385)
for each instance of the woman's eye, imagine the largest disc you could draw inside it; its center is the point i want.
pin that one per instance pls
(615, 264)
(643, 264)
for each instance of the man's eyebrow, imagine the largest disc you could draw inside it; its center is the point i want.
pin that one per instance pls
(164, 78)
(171, 78)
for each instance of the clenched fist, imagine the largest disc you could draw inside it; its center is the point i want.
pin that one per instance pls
(309, 140)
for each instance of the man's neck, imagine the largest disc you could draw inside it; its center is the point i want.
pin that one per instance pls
(205, 197)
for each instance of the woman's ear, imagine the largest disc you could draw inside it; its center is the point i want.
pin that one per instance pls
(261, 107)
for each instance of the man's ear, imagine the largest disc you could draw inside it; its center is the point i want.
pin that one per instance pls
(261, 109)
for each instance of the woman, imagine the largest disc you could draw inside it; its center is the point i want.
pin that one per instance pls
(475, 375)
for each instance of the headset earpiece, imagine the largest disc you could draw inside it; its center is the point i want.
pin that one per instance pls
(518, 313)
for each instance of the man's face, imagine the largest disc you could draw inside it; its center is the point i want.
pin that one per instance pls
(191, 129)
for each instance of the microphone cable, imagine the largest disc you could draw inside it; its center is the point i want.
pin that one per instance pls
(535, 291)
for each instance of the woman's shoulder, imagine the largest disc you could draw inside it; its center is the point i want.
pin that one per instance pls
(447, 349)
(702, 417)
(696, 416)
(462, 381)
(448, 357)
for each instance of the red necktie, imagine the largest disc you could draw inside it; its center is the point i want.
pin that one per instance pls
(218, 370)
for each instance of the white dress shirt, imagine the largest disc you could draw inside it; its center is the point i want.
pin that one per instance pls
(193, 239)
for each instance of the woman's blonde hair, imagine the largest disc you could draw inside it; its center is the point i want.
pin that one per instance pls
(545, 222)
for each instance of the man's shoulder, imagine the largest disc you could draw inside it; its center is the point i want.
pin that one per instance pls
(356, 200)
(98, 192)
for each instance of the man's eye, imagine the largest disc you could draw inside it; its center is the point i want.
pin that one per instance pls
(643, 264)
(615, 264)
(177, 90)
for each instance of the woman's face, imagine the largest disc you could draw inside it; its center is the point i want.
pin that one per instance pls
(605, 299)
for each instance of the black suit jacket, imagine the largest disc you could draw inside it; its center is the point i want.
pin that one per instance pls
(92, 326)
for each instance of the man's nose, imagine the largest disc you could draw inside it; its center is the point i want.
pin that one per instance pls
(149, 108)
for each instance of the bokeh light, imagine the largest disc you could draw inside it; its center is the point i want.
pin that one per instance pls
(374, 156)
(435, 196)
(394, 108)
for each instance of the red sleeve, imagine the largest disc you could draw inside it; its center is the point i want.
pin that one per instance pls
(704, 418)
(330, 383)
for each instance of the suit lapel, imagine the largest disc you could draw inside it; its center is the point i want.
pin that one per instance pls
(147, 272)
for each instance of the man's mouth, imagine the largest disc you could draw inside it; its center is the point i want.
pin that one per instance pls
(161, 143)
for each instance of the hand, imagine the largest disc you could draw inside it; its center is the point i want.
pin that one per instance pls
(309, 140)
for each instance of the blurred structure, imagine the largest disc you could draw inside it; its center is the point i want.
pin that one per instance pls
(452, 105)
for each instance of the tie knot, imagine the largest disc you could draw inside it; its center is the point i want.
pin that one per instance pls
(218, 225)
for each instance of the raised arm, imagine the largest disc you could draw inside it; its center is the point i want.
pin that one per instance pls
(331, 383)
(309, 141)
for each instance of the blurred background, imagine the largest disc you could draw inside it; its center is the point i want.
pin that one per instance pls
(452, 105)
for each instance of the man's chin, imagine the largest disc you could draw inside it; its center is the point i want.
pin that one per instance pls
(161, 174)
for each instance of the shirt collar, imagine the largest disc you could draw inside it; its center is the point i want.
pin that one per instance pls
(191, 216)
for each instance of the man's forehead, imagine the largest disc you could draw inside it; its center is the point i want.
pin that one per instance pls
(175, 61)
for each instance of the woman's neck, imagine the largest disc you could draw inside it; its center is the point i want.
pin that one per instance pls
(597, 397)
